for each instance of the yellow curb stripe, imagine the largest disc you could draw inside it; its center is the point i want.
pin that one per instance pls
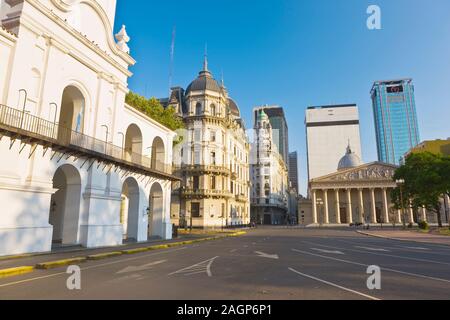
(60, 263)
(102, 256)
(15, 271)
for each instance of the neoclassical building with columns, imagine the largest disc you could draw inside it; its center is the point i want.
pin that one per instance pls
(78, 165)
(356, 193)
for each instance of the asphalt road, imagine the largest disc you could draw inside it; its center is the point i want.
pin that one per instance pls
(266, 264)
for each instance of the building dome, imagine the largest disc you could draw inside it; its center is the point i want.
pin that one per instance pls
(204, 81)
(234, 109)
(350, 160)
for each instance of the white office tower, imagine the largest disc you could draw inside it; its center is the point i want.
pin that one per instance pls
(329, 130)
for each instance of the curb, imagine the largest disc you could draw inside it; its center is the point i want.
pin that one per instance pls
(65, 262)
(59, 263)
(15, 271)
(397, 239)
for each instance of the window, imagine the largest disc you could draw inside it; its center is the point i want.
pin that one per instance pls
(213, 136)
(198, 109)
(213, 110)
(196, 182)
(195, 210)
(213, 158)
(213, 183)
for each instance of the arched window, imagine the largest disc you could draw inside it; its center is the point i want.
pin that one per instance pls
(198, 109)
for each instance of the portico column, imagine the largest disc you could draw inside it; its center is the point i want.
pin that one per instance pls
(338, 207)
(385, 206)
(327, 213)
(411, 214)
(349, 207)
(373, 217)
(361, 206)
(424, 214)
(314, 207)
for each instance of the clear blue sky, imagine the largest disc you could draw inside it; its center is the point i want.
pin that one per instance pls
(298, 53)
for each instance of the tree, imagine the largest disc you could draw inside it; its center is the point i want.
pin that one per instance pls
(153, 108)
(426, 177)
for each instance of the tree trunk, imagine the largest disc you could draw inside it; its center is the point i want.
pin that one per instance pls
(438, 209)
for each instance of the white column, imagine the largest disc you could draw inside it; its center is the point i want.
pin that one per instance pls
(424, 214)
(349, 206)
(373, 217)
(385, 206)
(361, 206)
(314, 207)
(338, 207)
(411, 214)
(327, 213)
(399, 216)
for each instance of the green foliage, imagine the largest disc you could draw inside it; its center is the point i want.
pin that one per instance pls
(423, 225)
(153, 108)
(427, 179)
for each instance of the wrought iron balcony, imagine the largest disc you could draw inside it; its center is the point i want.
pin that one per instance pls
(203, 169)
(205, 193)
(31, 129)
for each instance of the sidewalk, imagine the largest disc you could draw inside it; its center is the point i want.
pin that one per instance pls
(61, 254)
(408, 235)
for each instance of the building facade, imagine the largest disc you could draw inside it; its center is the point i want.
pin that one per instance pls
(329, 130)
(280, 130)
(293, 172)
(74, 166)
(213, 159)
(269, 176)
(395, 115)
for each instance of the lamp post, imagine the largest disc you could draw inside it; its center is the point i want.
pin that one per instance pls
(54, 117)
(24, 105)
(107, 134)
(400, 183)
(123, 143)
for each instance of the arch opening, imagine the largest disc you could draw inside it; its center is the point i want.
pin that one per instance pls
(133, 144)
(129, 210)
(65, 205)
(72, 113)
(156, 205)
(158, 154)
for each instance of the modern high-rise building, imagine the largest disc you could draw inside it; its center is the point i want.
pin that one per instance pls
(329, 130)
(395, 116)
(279, 126)
(293, 171)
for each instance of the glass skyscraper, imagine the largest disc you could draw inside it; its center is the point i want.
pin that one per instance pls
(395, 116)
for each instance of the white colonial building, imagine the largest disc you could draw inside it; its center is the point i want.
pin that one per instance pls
(78, 165)
(269, 174)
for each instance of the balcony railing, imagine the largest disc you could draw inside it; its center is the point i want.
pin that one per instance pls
(214, 169)
(187, 192)
(25, 125)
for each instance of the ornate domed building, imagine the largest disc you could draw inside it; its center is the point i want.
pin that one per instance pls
(213, 159)
(350, 160)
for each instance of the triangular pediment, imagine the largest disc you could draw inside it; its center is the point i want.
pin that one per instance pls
(368, 172)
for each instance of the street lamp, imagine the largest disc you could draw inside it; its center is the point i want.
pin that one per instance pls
(24, 105)
(400, 183)
(106, 141)
(54, 119)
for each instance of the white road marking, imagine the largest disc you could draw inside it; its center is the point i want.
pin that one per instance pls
(416, 248)
(380, 254)
(328, 251)
(233, 251)
(267, 256)
(373, 249)
(89, 268)
(334, 285)
(141, 268)
(366, 265)
(201, 267)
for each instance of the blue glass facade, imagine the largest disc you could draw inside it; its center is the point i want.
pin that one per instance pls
(395, 116)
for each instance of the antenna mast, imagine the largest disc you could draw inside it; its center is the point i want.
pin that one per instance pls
(172, 58)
